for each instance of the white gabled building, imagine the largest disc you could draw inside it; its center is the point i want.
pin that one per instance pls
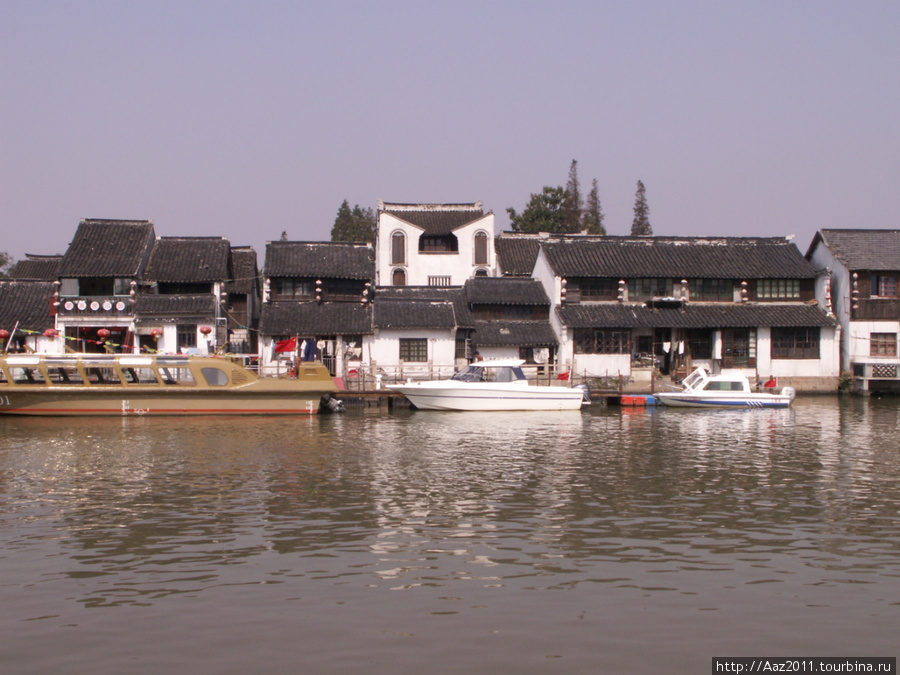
(433, 244)
(860, 270)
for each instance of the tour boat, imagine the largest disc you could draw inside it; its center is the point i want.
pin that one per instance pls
(133, 384)
(702, 390)
(494, 384)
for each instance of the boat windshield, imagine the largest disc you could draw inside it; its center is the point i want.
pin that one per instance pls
(477, 373)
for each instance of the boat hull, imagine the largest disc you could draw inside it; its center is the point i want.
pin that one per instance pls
(683, 400)
(486, 398)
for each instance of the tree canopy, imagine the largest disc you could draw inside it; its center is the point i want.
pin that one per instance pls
(560, 210)
(356, 224)
(6, 263)
(640, 227)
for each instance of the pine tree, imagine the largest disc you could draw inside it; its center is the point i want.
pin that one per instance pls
(571, 207)
(6, 264)
(640, 227)
(592, 216)
(357, 224)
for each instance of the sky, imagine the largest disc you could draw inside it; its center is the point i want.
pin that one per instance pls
(249, 119)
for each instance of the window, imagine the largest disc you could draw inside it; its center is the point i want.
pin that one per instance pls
(885, 286)
(883, 344)
(596, 289)
(778, 289)
(122, 286)
(398, 248)
(481, 249)
(438, 281)
(597, 341)
(293, 288)
(398, 278)
(645, 289)
(187, 336)
(414, 349)
(700, 344)
(795, 343)
(711, 290)
(446, 244)
(739, 347)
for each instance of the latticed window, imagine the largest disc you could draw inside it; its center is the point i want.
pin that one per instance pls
(645, 289)
(596, 289)
(886, 286)
(883, 344)
(711, 290)
(187, 336)
(414, 349)
(795, 343)
(778, 289)
(596, 341)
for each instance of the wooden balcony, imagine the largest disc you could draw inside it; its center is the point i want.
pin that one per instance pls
(878, 309)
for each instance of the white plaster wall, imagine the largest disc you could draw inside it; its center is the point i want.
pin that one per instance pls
(859, 340)
(602, 365)
(384, 348)
(458, 266)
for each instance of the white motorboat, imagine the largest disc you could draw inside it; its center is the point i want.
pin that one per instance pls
(494, 384)
(732, 390)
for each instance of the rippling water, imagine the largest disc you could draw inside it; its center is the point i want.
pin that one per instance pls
(613, 540)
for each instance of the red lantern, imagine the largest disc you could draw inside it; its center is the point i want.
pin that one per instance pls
(3, 333)
(156, 333)
(206, 330)
(50, 333)
(103, 333)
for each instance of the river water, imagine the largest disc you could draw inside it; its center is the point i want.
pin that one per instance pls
(611, 540)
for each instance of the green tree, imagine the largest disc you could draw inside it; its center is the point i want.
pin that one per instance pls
(640, 227)
(6, 263)
(542, 214)
(592, 216)
(356, 224)
(572, 204)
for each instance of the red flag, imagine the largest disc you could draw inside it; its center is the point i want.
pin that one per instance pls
(562, 376)
(286, 346)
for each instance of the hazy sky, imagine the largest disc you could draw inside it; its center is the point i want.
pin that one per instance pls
(246, 119)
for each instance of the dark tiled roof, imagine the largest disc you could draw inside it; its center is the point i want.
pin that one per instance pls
(876, 250)
(505, 291)
(244, 273)
(37, 267)
(188, 259)
(26, 302)
(724, 315)
(516, 254)
(312, 319)
(108, 248)
(690, 258)
(337, 260)
(511, 333)
(414, 314)
(455, 295)
(435, 219)
(172, 308)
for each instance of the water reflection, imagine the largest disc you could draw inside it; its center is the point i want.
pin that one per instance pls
(697, 505)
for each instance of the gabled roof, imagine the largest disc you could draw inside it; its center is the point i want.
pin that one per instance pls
(505, 291)
(313, 319)
(26, 303)
(514, 333)
(188, 259)
(336, 260)
(876, 250)
(724, 315)
(244, 272)
(37, 267)
(677, 257)
(421, 307)
(108, 248)
(516, 254)
(434, 219)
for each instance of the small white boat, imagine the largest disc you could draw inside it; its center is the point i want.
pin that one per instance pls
(702, 390)
(495, 384)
